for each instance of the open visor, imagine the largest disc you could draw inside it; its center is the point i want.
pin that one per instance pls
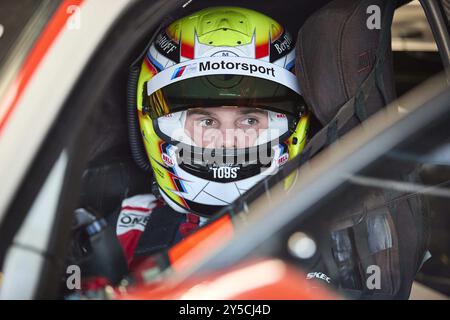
(222, 81)
(180, 127)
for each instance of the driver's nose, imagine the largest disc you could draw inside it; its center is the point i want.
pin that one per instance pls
(228, 138)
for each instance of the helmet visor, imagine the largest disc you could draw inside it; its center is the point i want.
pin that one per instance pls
(215, 82)
(227, 127)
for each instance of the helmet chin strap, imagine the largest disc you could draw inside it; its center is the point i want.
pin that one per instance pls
(155, 188)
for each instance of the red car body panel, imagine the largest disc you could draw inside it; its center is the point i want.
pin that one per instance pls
(36, 55)
(263, 279)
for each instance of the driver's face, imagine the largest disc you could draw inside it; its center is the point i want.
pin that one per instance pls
(225, 127)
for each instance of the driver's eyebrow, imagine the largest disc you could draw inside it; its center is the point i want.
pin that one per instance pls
(241, 111)
(244, 111)
(200, 112)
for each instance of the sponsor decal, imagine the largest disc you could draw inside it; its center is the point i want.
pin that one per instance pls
(318, 275)
(131, 221)
(184, 70)
(224, 66)
(167, 47)
(178, 72)
(165, 44)
(283, 159)
(225, 172)
(167, 160)
(224, 53)
(232, 65)
(285, 44)
(281, 46)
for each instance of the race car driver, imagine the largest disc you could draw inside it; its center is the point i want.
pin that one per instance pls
(219, 109)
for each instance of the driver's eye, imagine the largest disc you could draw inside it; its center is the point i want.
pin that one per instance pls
(249, 122)
(207, 122)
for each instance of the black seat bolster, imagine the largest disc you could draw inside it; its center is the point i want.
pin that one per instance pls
(336, 51)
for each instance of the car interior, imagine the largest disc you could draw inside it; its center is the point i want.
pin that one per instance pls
(331, 78)
(109, 156)
(336, 56)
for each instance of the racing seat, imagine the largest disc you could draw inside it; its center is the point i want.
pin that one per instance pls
(345, 71)
(336, 52)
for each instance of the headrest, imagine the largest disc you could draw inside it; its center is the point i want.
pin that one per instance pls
(336, 51)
